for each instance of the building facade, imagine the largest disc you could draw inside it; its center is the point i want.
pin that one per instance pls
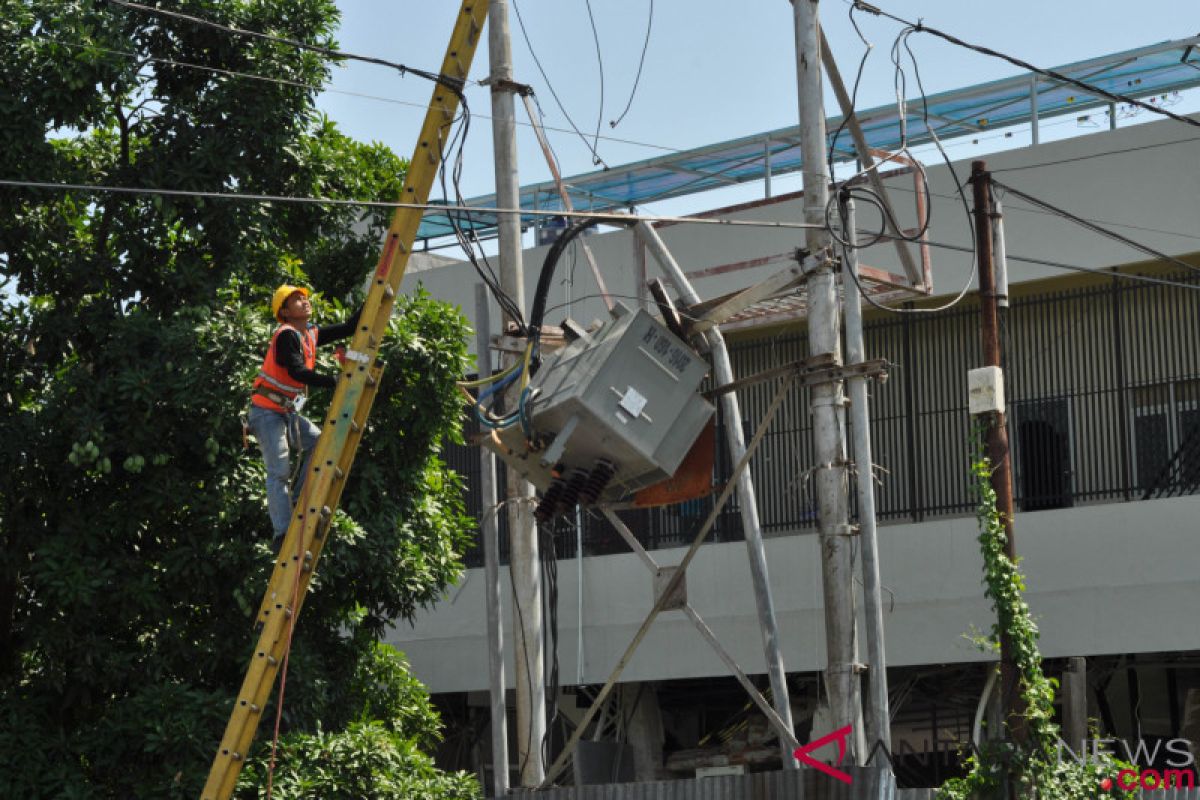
(1103, 385)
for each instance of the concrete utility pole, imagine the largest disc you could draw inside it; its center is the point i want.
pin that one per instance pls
(841, 679)
(879, 728)
(489, 529)
(997, 433)
(530, 673)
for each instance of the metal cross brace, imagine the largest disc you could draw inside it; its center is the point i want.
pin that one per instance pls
(669, 590)
(759, 700)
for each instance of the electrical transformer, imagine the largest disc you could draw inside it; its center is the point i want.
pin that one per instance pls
(614, 411)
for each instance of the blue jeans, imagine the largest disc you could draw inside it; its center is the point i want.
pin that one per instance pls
(279, 436)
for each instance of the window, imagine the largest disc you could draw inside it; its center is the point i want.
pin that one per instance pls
(1041, 434)
(1166, 436)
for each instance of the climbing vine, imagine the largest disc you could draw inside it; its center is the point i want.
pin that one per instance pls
(1034, 768)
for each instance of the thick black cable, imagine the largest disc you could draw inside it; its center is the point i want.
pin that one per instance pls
(549, 557)
(921, 27)
(537, 312)
(528, 672)
(641, 63)
(1091, 226)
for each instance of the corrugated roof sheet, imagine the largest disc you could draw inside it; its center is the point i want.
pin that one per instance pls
(1144, 72)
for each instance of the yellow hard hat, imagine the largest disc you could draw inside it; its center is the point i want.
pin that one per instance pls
(281, 295)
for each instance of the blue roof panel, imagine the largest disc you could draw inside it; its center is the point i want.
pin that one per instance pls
(1145, 72)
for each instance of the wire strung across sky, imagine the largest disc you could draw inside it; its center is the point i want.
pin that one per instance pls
(328, 52)
(921, 27)
(641, 63)
(1092, 226)
(325, 89)
(616, 218)
(596, 159)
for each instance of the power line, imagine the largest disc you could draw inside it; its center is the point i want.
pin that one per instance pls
(537, 62)
(1098, 155)
(328, 52)
(1091, 226)
(605, 218)
(1071, 267)
(327, 90)
(600, 64)
(921, 27)
(1044, 213)
(641, 63)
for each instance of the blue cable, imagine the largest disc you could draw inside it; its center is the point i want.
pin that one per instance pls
(496, 387)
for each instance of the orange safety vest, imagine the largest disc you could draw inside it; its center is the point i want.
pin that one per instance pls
(273, 379)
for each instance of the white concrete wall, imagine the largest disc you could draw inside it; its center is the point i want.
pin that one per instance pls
(1116, 578)
(1148, 181)
(1104, 579)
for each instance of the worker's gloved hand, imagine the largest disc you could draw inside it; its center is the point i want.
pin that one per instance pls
(339, 353)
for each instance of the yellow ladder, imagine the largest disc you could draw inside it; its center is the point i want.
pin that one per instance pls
(344, 424)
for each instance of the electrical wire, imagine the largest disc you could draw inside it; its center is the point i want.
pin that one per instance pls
(1040, 212)
(458, 137)
(641, 63)
(1091, 226)
(596, 159)
(549, 558)
(900, 47)
(921, 27)
(1043, 262)
(328, 52)
(599, 217)
(1097, 155)
(328, 90)
(600, 65)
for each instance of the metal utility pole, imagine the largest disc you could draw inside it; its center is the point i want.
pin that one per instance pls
(827, 399)
(530, 674)
(879, 729)
(747, 501)
(997, 432)
(489, 529)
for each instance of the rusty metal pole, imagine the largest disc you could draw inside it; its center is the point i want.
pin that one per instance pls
(997, 433)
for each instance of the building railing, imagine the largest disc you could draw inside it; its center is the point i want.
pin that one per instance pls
(1103, 387)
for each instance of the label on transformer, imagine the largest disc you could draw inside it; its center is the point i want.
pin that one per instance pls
(633, 402)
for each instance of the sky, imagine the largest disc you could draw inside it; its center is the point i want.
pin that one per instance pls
(712, 70)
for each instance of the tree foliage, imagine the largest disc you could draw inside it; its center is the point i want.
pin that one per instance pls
(133, 526)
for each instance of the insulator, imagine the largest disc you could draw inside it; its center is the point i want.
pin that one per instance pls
(549, 506)
(597, 480)
(576, 481)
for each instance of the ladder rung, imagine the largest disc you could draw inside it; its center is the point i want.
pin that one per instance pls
(371, 380)
(354, 426)
(339, 473)
(326, 512)
(389, 291)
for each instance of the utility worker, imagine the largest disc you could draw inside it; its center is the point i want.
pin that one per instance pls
(279, 393)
